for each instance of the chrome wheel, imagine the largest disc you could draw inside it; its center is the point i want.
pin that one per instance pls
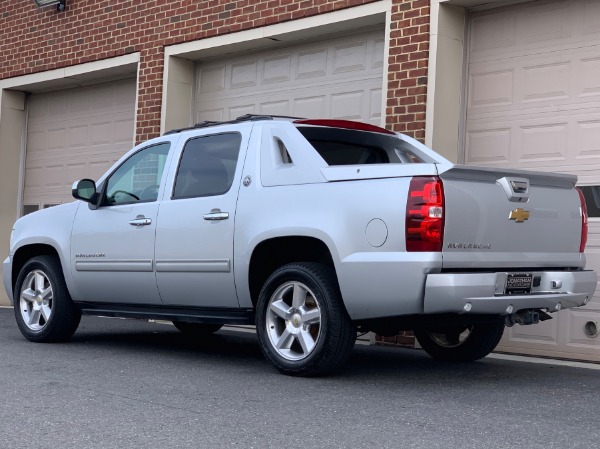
(36, 300)
(293, 321)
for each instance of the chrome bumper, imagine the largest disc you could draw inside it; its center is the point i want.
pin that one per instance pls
(483, 293)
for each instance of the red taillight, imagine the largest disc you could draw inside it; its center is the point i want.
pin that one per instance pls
(425, 214)
(584, 222)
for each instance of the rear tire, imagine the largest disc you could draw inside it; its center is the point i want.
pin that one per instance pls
(302, 325)
(461, 343)
(43, 307)
(196, 329)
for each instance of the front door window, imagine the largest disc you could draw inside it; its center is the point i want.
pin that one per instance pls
(138, 179)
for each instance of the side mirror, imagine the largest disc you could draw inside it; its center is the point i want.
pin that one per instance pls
(85, 190)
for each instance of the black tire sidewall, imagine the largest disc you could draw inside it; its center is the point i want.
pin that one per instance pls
(64, 318)
(329, 301)
(482, 340)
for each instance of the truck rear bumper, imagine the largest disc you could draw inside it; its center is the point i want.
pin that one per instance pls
(484, 293)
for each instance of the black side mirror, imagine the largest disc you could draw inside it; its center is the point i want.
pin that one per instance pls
(85, 190)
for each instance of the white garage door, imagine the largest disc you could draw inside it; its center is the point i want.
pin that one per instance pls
(332, 78)
(534, 103)
(73, 134)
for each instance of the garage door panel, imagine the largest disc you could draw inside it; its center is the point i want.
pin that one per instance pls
(546, 82)
(488, 146)
(577, 338)
(340, 78)
(54, 176)
(99, 134)
(73, 134)
(545, 333)
(377, 54)
(554, 82)
(57, 106)
(275, 107)
(213, 115)
(375, 101)
(350, 57)
(277, 69)
(588, 79)
(315, 106)
(532, 103)
(542, 143)
(244, 75)
(79, 135)
(347, 105)
(490, 89)
(77, 170)
(552, 21)
(571, 137)
(491, 32)
(236, 111)
(533, 28)
(311, 64)
(587, 139)
(211, 79)
(591, 17)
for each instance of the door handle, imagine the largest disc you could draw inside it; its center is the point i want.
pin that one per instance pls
(215, 215)
(140, 221)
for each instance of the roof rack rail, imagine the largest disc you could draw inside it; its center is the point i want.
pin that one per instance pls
(203, 124)
(241, 118)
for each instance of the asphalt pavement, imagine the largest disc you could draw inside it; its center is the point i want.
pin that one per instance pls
(133, 384)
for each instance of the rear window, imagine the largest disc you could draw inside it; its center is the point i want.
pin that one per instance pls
(349, 147)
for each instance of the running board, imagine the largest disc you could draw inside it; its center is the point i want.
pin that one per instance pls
(212, 315)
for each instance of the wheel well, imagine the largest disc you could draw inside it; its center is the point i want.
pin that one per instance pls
(274, 253)
(25, 253)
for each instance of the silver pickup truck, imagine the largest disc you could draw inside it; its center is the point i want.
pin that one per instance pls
(313, 230)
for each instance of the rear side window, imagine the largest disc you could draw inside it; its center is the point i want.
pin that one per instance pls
(207, 165)
(349, 147)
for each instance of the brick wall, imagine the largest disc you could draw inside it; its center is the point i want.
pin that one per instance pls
(408, 63)
(34, 40)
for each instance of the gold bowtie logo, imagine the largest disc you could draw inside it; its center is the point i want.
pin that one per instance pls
(519, 215)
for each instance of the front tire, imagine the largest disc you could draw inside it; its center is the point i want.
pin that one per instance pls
(43, 307)
(461, 343)
(302, 325)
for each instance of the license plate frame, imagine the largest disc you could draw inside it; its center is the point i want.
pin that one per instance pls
(518, 283)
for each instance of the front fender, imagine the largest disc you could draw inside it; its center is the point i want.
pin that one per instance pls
(50, 227)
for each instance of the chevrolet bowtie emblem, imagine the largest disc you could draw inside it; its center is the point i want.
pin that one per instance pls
(519, 215)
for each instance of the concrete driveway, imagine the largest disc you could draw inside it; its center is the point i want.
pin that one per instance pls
(132, 384)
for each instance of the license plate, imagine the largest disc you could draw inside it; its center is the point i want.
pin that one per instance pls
(518, 284)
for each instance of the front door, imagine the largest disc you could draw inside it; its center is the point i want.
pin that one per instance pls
(113, 245)
(194, 238)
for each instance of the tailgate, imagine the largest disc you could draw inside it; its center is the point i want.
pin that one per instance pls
(510, 219)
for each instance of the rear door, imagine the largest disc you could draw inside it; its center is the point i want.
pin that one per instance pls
(194, 237)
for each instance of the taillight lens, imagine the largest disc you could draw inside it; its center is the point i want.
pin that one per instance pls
(425, 214)
(584, 221)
